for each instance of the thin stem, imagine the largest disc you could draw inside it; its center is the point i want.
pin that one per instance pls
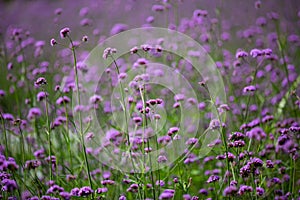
(22, 145)
(148, 146)
(157, 154)
(144, 126)
(79, 115)
(253, 82)
(222, 131)
(68, 137)
(49, 139)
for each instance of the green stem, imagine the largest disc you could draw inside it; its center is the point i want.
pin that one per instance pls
(79, 115)
(22, 145)
(68, 137)
(253, 82)
(49, 139)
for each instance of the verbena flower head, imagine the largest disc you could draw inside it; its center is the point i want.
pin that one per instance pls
(230, 191)
(85, 191)
(53, 42)
(58, 11)
(108, 52)
(158, 8)
(250, 88)
(42, 95)
(241, 54)
(213, 178)
(84, 38)
(260, 191)
(167, 194)
(64, 32)
(34, 113)
(255, 53)
(40, 81)
(101, 190)
(9, 185)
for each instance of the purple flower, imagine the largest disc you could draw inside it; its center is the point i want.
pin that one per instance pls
(108, 52)
(236, 136)
(65, 195)
(161, 159)
(41, 96)
(256, 133)
(95, 99)
(214, 124)
(213, 178)
(75, 192)
(8, 116)
(122, 197)
(40, 81)
(161, 183)
(267, 52)
(146, 47)
(58, 11)
(200, 13)
(173, 130)
(53, 42)
(257, 4)
(255, 53)
(134, 50)
(55, 189)
(233, 183)
(256, 162)
(179, 97)
(58, 121)
(244, 188)
(85, 22)
(107, 182)
(267, 118)
(261, 21)
(241, 54)
(85, 191)
(34, 113)
(63, 100)
(158, 8)
(250, 88)
(118, 28)
(64, 32)
(142, 61)
(269, 164)
(39, 154)
(167, 194)
(192, 141)
(8, 185)
(203, 192)
(237, 143)
(276, 180)
(2, 93)
(122, 76)
(101, 190)
(245, 170)
(260, 191)
(230, 191)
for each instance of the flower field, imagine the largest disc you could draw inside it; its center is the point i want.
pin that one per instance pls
(138, 99)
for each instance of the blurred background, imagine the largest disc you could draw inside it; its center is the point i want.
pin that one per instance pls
(100, 16)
